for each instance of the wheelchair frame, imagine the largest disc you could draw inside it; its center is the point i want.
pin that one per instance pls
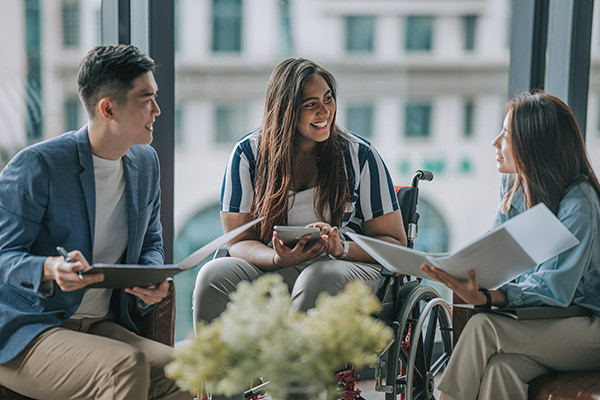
(418, 315)
(406, 370)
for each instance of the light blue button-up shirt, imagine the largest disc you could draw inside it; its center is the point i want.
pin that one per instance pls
(572, 277)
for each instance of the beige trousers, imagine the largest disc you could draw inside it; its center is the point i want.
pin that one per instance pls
(218, 278)
(91, 359)
(496, 356)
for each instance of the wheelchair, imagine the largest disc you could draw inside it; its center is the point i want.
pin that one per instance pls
(420, 318)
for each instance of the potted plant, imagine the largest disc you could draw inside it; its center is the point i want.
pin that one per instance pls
(260, 335)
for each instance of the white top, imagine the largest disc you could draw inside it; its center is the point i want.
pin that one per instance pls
(110, 231)
(301, 210)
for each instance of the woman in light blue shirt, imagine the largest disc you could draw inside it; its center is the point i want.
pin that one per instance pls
(541, 147)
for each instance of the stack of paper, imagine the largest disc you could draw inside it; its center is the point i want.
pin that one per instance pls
(500, 255)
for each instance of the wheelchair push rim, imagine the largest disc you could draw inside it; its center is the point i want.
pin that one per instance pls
(413, 360)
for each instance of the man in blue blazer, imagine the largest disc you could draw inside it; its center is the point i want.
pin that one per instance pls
(96, 192)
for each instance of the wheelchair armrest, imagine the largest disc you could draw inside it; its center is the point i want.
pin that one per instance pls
(221, 252)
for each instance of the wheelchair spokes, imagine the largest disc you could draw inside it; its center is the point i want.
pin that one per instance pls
(421, 319)
(423, 347)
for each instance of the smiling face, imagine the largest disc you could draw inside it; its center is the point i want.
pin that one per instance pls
(317, 110)
(505, 161)
(138, 114)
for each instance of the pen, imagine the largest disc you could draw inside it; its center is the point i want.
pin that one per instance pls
(61, 250)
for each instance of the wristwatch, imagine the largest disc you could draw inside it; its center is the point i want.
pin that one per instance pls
(344, 253)
(488, 300)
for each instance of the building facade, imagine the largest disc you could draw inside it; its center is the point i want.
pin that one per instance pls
(424, 80)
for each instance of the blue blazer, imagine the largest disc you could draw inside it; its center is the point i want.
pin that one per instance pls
(47, 198)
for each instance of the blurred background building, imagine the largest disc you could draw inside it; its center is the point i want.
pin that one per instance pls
(424, 80)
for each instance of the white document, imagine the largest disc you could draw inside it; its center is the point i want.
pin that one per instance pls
(118, 276)
(500, 255)
(199, 255)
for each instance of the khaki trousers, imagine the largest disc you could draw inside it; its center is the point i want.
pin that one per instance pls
(218, 278)
(496, 356)
(91, 358)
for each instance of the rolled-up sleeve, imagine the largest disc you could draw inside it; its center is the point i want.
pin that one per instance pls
(377, 194)
(237, 192)
(555, 281)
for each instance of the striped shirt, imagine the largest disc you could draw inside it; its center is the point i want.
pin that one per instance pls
(371, 187)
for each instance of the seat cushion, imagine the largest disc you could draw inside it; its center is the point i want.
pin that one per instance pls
(583, 385)
(6, 394)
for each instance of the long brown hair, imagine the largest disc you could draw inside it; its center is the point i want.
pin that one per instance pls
(275, 159)
(548, 149)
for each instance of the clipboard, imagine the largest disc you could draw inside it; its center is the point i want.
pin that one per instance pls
(121, 276)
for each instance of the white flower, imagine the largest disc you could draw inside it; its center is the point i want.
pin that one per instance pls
(259, 335)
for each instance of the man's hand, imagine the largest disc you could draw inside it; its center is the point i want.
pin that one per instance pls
(65, 273)
(151, 294)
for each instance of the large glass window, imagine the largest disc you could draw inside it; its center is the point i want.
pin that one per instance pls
(469, 26)
(72, 112)
(38, 71)
(227, 25)
(287, 42)
(177, 27)
(360, 33)
(593, 117)
(70, 23)
(422, 108)
(33, 23)
(38, 75)
(359, 119)
(419, 33)
(179, 134)
(200, 229)
(418, 120)
(231, 122)
(469, 115)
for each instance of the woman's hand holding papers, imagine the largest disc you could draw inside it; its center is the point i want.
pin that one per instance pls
(468, 291)
(151, 294)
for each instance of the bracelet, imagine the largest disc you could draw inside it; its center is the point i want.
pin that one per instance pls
(344, 252)
(488, 300)
(275, 262)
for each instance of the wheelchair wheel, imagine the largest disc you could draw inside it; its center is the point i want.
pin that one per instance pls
(422, 346)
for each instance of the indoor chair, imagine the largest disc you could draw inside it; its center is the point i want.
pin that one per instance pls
(580, 385)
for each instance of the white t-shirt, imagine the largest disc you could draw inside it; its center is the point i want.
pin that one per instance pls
(110, 231)
(302, 211)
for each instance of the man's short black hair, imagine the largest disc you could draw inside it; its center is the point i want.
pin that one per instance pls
(109, 71)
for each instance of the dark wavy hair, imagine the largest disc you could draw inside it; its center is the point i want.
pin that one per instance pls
(275, 160)
(109, 71)
(548, 149)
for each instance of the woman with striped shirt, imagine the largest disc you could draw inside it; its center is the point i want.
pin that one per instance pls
(300, 169)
